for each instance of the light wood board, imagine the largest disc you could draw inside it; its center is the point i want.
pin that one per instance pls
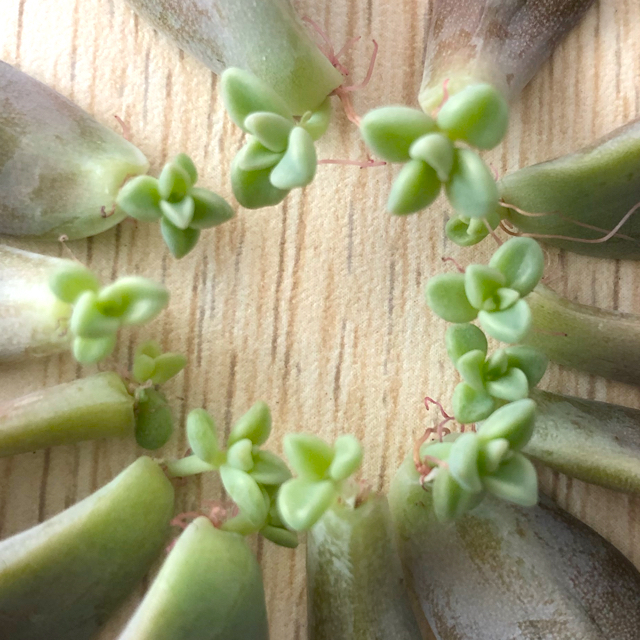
(316, 305)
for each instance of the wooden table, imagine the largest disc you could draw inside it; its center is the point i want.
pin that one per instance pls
(316, 305)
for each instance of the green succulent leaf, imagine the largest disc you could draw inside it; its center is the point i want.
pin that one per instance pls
(179, 241)
(167, 365)
(465, 232)
(140, 199)
(492, 454)
(497, 364)
(243, 94)
(515, 480)
(240, 455)
(390, 131)
(440, 450)
(269, 469)
(416, 186)
(246, 493)
(88, 322)
(254, 425)
(347, 457)
(154, 422)
(450, 500)
(471, 367)
(522, 262)
(298, 165)
(70, 282)
(179, 213)
(280, 536)
(462, 338)
(317, 122)
(183, 161)
(446, 297)
(302, 502)
(202, 435)
(512, 386)
(471, 189)
(513, 422)
(253, 189)
(270, 129)
(173, 182)
(210, 209)
(143, 366)
(93, 350)
(471, 405)
(463, 462)
(506, 298)
(532, 362)
(254, 156)
(511, 325)
(150, 348)
(437, 151)
(309, 456)
(133, 300)
(481, 284)
(478, 114)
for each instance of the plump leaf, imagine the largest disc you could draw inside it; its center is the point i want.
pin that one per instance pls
(532, 362)
(154, 422)
(416, 186)
(178, 213)
(280, 536)
(133, 300)
(167, 365)
(317, 122)
(269, 469)
(478, 114)
(437, 151)
(298, 165)
(522, 262)
(465, 232)
(446, 297)
(390, 131)
(463, 462)
(210, 209)
(88, 322)
(510, 325)
(513, 422)
(347, 457)
(254, 156)
(179, 241)
(140, 199)
(246, 493)
(462, 338)
(492, 453)
(253, 189)
(515, 480)
(506, 298)
(471, 405)
(270, 129)
(513, 385)
(481, 284)
(309, 456)
(149, 348)
(173, 182)
(440, 450)
(93, 350)
(497, 364)
(184, 161)
(450, 500)
(471, 189)
(240, 455)
(302, 502)
(68, 283)
(255, 425)
(202, 435)
(143, 366)
(471, 368)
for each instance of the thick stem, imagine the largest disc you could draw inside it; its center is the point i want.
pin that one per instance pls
(593, 441)
(210, 587)
(600, 342)
(59, 168)
(263, 37)
(33, 322)
(502, 42)
(354, 578)
(98, 406)
(596, 186)
(506, 572)
(63, 578)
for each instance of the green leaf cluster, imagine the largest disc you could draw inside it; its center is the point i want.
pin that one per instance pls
(98, 313)
(322, 469)
(280, 153)
(429, 148)
(493, 293)
(182, 209)
(474, 464)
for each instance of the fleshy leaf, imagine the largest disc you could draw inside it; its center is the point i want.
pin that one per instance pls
(470, 405)
(270, 129)
(149, 348)
(68, 283)
(390, 131)
(510, 325)
(497, 364)
(506, 298)
(253, 189)
(246, 493)
(173, 182)
(514, 422)
(133, 299)
(297, 167)
(462, 338)
(440, 450)
(269, 469)
(347, 457)
(183, 161)
(450, 500)
(154, 422)
(167, 366)
(210, 209)
(463, 462)
(471, 189)
(481, 283)
(522, 262)
(302, 503)
(478, 114)
(93, 350)
(492, 454)
(254, 156)
(202, 435)
(416, 186)
(515, 480)
(446, 297)
(317, 122)
(179, 213)
(437, 151)
(280, 536)
(309, 456)
(243, 94)
(179, 241)
(87, 321)
(240, 455)
(255, 425)
(140, 199)
(532, 362)
(241, 525)
(512, 386)
(465, 232)
(471, 368)
(143, 366)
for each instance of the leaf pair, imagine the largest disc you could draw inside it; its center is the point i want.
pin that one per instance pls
(182, 209)
(98, 313)
(492, 293)
(321, 471)
(505, 376)
(487, 461)
(150, 364)
(280, 153)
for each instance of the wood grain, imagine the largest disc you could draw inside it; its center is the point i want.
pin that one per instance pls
(315, 305)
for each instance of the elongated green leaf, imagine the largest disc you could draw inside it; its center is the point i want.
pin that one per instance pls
(513, 385)
(185, 163)
(87, 321)
(450, 500)
(173, 182)
(210, 209)
(167, 365)
(254, 156)
(179, 241)
(269, 469)
(437, 151)
(202, 435)
(415, 188)
(254, 425)
(513, 422)
(515, 480)
(140, 199)
(463, 462)
(154, 422)
(133, 300)
(143, 366)
(93, 350)
(246, 493)
(446, 297)
(532, 362)
(253, 189)
(280, 536)
(240, 455)
(492, 453)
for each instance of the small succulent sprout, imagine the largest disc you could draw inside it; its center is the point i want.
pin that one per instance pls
(473, 464)
(182, 209)
(150, 364)
(477, 115)
(322, 470)
(465, 231)
(492, 293)
(280, 154)
(98, 314)
(506, 376)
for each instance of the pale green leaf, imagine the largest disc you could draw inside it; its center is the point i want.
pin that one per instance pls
(515, 480)
(512, 386)
(437, 151)
(93, 350)
(462, 338)
(270, 129)
(246, 493)
(255, 425)
(202, 435)
(179, 241)
(240, 455)
(269, 469)
(470, 405)
(463, 462)
(347, 457)
(522, 262)
(140, 199)
(481, 284)
(531, 361)
(446, 297)
(302, 503)
(511, 325)
(210, 209)
(513, 422)
(471, 367)
(298, 165)
(309, 456)
(72, 280)
(87, 321)
(416, 186)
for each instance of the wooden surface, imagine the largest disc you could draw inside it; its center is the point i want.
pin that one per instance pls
(315, 305)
